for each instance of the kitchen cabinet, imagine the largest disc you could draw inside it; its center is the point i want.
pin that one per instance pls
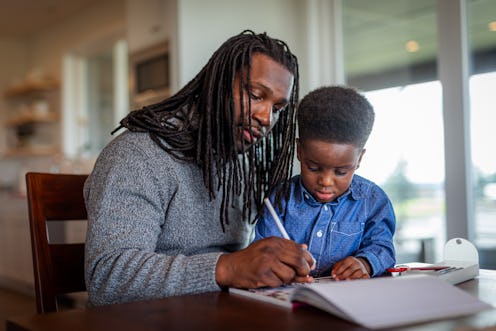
(32, 119)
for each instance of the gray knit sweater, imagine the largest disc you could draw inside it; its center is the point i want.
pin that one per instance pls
(152, 229)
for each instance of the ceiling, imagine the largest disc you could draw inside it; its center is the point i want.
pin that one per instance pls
(22, 18)
(378, 30)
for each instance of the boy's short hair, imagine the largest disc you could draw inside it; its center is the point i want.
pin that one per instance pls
(335, 114)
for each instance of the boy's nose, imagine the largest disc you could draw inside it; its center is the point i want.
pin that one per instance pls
(326, 181)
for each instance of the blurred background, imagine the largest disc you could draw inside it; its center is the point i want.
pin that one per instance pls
(70, 70)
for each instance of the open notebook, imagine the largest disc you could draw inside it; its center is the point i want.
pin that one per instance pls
(378, 302)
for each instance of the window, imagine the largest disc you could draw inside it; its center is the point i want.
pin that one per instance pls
(390, 53)
(482, 41)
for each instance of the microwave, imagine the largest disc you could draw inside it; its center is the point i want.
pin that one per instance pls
(149, 75)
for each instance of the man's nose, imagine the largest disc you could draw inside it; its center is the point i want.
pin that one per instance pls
(263, 114)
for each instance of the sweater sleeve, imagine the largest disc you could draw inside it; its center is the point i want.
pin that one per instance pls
(126, 211)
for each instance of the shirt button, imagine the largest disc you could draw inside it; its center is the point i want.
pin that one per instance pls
(319, 233)
(306, 196)
(325, 207)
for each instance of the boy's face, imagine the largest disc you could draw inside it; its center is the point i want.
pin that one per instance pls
(327, 168)
(270, 91)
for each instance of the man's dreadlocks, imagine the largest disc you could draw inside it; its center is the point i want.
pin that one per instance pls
(197, 125)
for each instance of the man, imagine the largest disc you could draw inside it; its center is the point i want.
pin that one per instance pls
(170, 201)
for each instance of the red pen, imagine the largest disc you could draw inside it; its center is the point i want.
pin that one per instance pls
(405, 268)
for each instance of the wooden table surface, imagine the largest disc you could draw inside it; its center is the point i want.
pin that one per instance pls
(224, 311)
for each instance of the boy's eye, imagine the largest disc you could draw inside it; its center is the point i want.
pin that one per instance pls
(313, 169)
(341, 173)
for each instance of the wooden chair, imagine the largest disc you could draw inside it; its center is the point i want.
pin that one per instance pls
(58, 267)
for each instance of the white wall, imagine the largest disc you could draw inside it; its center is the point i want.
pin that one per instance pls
(204, 25)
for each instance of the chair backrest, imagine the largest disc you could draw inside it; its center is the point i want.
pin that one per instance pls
(58, 267)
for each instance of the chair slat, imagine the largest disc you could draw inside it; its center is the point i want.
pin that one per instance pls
(58, 268)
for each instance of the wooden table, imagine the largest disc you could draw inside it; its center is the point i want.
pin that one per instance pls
(224, 311)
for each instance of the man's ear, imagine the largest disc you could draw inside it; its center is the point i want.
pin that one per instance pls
(360, 158)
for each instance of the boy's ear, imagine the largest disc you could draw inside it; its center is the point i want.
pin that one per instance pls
(298, 146)
(360, 158)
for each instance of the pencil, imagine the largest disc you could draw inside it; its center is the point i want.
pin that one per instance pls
(276, 218)
(406, 268)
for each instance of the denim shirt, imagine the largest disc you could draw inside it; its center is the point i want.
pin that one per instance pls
(359, 223)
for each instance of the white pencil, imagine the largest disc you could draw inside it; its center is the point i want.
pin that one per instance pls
(276, 218)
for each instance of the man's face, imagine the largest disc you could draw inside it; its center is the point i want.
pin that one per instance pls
(327, 168)
(270, 90)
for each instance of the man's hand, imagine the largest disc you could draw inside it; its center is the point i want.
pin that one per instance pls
(268, 262)
(351, 268)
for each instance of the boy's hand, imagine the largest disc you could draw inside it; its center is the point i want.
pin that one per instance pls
(268, 262)
(351, 268)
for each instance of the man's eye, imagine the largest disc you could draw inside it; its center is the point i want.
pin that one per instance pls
(255, 97)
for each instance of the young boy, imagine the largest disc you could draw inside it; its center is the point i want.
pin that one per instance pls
(346, 220)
